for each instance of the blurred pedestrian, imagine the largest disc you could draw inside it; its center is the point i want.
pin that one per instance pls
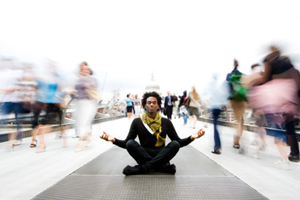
(137, 106)
(169, 103)
(218, 92)
(129, 105)
(13, 103)
(183, 109)
(49, 98)
(237, 101)
(86, 106)
(281, 81)
(194, 106)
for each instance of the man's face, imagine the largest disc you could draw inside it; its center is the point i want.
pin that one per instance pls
(168, 93)
(235, 64)
(152, 105)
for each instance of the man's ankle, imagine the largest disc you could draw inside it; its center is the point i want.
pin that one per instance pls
(167, 168)
(137, 169)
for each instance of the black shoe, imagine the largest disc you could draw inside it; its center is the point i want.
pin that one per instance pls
(236, 146)
(167, 168)
(216, 151)
(128, 170)
(294, 158)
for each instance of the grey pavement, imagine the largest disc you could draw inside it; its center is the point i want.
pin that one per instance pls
(25, 174)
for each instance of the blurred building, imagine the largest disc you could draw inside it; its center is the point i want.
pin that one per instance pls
(153, 86)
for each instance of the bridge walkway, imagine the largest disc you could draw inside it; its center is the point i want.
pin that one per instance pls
(96, 172)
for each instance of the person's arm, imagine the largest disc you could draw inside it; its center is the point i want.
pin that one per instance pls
(266, 76)
(121, 143)
(166, 101)
(185, 141)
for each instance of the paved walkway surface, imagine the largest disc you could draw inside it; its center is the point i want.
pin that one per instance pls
(25, 174)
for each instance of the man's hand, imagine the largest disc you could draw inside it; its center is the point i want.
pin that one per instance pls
(198, 134)
(107, 137)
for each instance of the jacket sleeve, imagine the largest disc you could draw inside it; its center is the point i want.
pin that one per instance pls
(172, 134)
(131, 135)
(166, 102)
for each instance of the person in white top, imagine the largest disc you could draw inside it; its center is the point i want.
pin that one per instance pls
(9, 87)
(137, 106)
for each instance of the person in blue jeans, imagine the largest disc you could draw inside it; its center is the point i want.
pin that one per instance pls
(217, 148)
(218, 92)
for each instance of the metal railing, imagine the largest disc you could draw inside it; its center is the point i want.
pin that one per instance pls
(105, 109)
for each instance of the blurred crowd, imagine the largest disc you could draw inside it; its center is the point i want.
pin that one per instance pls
(271, 91)
(45, 96)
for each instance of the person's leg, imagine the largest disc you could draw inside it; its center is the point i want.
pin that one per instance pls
(169, 115)
(140, 155)
(163, 157)
(171, 111)
(91, 116)
(35, 130)
(195, 121)
(293, 141)
(137, 152)
(185, 117)
(216, 113)
(42, 131)
(83, 121)
(238, 109)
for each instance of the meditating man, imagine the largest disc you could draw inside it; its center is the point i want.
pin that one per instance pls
(152, 130)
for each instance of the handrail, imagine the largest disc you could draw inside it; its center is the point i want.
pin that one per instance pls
(103, 111)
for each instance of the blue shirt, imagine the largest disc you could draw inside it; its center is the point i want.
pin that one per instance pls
(169, 103)
(129, 102)
(47, 92)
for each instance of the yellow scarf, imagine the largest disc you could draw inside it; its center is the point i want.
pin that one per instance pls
(155, 125)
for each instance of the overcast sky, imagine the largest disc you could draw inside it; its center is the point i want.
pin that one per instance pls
(183, 42)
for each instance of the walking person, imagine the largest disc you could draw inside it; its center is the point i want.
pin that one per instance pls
(49, 97)
(194, 106)
(169, 103)
(132, 97)
(13, 102)
(183, 110)
(86, 88)
(218, 92)
(259, 115)
(238, 102)
(175, 107)
(137, 106)
(152, 130)
(129, 105)
(283, 80)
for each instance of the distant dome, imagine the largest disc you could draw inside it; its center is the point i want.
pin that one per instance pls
(153, 86)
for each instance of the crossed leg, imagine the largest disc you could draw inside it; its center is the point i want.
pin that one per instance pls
(148, 158)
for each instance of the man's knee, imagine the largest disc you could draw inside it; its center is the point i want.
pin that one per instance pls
(174, 144)
(130, 144)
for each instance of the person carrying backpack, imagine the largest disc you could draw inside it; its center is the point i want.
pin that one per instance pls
(238, 101)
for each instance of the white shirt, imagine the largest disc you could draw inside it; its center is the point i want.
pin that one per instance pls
(9, 79)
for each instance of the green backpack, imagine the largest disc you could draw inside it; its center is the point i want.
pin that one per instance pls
(237, 91)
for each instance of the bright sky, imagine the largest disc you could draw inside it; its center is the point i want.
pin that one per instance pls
(183, 42)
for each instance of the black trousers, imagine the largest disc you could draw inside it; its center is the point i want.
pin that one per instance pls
(152, 158)
(292, 137)
(169, 112)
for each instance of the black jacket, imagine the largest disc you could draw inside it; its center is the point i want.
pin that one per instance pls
(167, 100)
(148, 140)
